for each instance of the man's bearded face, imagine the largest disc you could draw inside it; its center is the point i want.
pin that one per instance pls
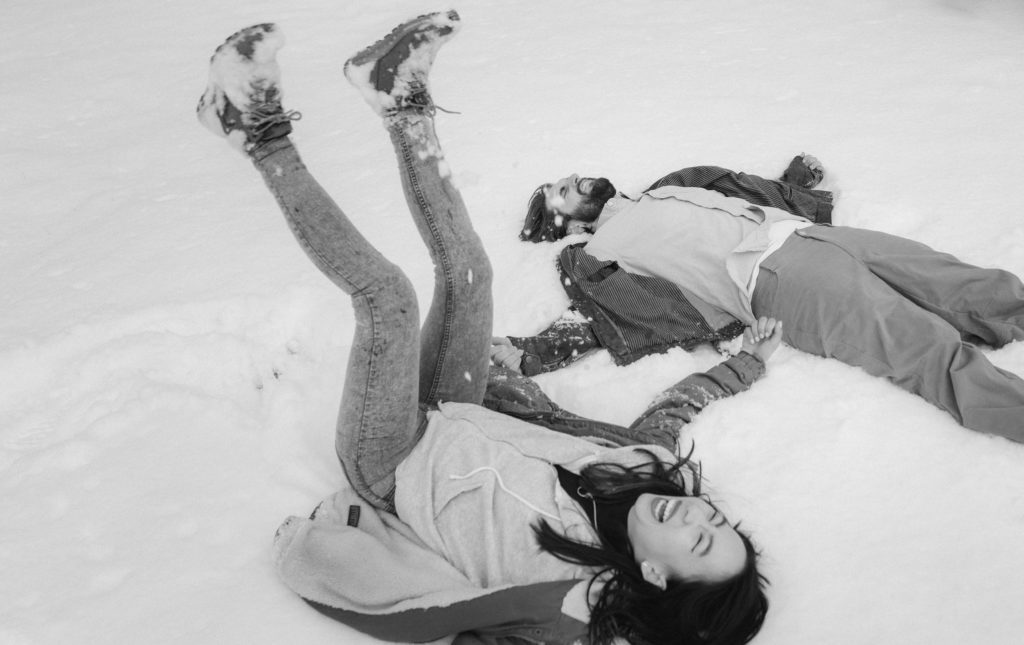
(580, 199)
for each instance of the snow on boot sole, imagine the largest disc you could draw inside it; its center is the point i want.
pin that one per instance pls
(391, 72)
(244, 75)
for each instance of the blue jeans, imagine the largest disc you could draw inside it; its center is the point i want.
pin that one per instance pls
(396, 371)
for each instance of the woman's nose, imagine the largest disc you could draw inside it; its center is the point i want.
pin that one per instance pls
(691, 516)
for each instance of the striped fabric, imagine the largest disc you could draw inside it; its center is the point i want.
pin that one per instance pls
(815, 205)
(634, 315)
(558, 346)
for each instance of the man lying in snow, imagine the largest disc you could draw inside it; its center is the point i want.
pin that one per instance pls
(705, 251)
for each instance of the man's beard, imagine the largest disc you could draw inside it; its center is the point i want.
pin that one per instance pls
(601, 190)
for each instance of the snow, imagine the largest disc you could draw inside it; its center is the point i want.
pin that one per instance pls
(171, 364)
(235, 71)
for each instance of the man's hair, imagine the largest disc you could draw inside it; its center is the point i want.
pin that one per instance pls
(710, 613)
(542, 224)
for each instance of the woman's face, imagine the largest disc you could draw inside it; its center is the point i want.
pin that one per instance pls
(683, 538)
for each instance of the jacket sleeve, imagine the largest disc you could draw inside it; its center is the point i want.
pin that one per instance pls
(519, 396)
(516, 395)
(815, 205)
(563, 343)
(679, 404)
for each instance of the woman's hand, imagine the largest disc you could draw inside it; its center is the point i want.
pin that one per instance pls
(763, 337)
(504, 353)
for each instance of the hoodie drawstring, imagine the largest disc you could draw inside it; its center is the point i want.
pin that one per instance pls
(505, 488)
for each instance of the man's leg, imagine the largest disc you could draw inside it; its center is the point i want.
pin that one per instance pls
(379, 417)
(393, 76)
(986, 305)
(841, 310)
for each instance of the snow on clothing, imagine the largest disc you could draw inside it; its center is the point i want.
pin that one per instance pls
(460, 555)
(786, 194)
(511, 393)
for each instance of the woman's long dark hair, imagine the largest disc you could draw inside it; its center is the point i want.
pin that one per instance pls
(720, 613)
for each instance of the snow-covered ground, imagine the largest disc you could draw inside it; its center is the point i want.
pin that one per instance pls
(170, 363)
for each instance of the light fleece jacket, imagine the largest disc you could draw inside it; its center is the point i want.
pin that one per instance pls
(438, 571)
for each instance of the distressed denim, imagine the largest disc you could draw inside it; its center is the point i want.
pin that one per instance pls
(396, 371)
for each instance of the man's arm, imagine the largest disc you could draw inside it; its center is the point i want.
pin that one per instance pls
(566, 341)
(804, 171)
(790, 196)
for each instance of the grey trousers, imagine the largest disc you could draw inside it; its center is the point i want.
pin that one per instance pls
(903, 311)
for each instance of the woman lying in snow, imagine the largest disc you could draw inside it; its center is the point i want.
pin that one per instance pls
(462, 520)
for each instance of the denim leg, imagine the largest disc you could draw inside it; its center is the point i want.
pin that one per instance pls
(380, 419)
(456, 334)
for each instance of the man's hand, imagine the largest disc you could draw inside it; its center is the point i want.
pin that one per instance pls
(763, 337)
(504, 353)
(804, 170)
(812, 162)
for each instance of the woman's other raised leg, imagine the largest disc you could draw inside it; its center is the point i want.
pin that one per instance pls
(379, 418)
(393, 77)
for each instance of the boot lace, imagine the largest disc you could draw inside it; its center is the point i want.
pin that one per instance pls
(419, 100)
(266, 115)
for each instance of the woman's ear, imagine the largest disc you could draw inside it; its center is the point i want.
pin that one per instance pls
(653, 575)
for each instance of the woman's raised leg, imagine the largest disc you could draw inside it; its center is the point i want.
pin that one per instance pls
(393, 77)
(380, 416)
